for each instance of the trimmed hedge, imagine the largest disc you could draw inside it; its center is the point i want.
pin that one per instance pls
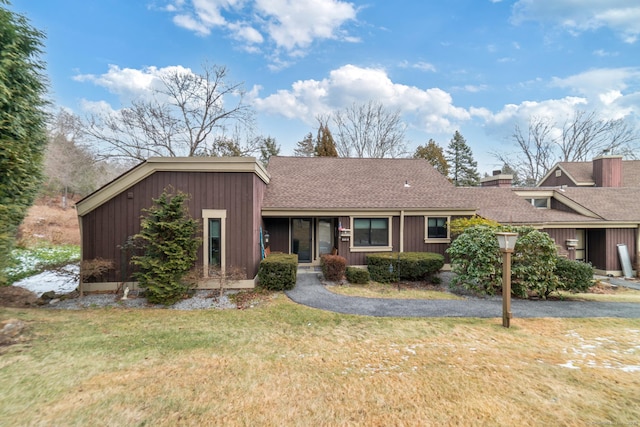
(333, 267)
(406, 265)
(278, 272)
(574, 276)
(358, 276)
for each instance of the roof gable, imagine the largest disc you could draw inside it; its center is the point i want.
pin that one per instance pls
(153, 164)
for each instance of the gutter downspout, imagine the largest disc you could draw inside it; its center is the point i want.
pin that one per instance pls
(81, 284)
(401, 249)
(638, 252)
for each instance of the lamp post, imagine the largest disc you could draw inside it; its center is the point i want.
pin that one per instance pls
(507, 242)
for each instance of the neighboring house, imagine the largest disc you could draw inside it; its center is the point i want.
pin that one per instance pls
(603, 171)
(588, 208)
(312, 206)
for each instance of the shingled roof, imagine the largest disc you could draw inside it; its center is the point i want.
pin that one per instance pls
(610, 204)
(582, 172)
(354, 183)
(502, 204)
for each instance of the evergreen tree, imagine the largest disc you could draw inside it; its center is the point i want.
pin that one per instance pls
(268, 148)
(433, 153)
(306, 147)
(23, 137)
(325, 146)
(463, 170)
(170, 248)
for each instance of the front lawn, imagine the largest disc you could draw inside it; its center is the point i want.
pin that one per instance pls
(403, 290)
(286, 364)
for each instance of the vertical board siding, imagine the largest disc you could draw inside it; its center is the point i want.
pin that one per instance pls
(616, 236)
(560, 236)
(109, 225)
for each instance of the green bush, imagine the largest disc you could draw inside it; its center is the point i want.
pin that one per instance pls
(278, 272)
(533, 263)
(405, 266)
(358, 276)
(333, 267)
(170, 248)
(477, 262)
(574, 276)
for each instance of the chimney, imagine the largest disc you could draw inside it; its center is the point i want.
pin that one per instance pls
(607, 171)
(498, 179)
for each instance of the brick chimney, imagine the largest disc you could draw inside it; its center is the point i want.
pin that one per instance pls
(498, 179)
(607, 171)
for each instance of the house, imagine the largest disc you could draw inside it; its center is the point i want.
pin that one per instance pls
(603, 171)
(588, 208)
(350, 206)
(225, 195)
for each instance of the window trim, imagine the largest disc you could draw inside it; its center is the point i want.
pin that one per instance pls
(388, 248)
(207, 214)
(428, 239)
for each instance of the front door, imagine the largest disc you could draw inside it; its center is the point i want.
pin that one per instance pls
(301, 242)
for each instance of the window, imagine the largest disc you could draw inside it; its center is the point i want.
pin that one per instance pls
(437, 228)
(540, 203)
(371, 232)
(214, 242)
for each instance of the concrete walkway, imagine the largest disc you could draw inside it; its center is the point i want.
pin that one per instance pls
(309, 291)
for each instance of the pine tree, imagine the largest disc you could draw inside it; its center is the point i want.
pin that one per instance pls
(268, 148)
(463, 170)
(325, 146)
(306, 147)
(23, 136)
(433, 153)
(170, 248)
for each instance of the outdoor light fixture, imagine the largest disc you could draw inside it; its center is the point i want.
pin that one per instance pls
(507, 243)
(266, 237)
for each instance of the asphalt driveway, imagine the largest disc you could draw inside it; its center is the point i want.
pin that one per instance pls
(309, 291)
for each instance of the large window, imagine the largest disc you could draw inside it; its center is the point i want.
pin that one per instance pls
(371, 232)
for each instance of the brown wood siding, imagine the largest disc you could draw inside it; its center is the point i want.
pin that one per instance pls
(553, 181)
(278, 234)
(616, 236)
(560, 236)
(555, 204)
(414, 231)
(109, 225)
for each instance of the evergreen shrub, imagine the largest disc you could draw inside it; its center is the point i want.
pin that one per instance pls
(278, 272)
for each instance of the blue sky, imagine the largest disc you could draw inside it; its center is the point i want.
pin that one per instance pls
(477, 66)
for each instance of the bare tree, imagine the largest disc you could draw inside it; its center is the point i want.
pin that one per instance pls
(585, 135)
(68, 165)
(186, 116)
(535, 150)
(581, 138)
(369, 130)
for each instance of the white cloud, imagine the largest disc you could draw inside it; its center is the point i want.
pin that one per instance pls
(289, 25)
(296, 24)
(420, 65)
(130, 83)
(596, 81)
(429, 109)
(621, 16)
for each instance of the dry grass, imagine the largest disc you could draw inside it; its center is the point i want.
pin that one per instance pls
(283, 364)
(406, 290)
(47, 222)
(604, 292)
